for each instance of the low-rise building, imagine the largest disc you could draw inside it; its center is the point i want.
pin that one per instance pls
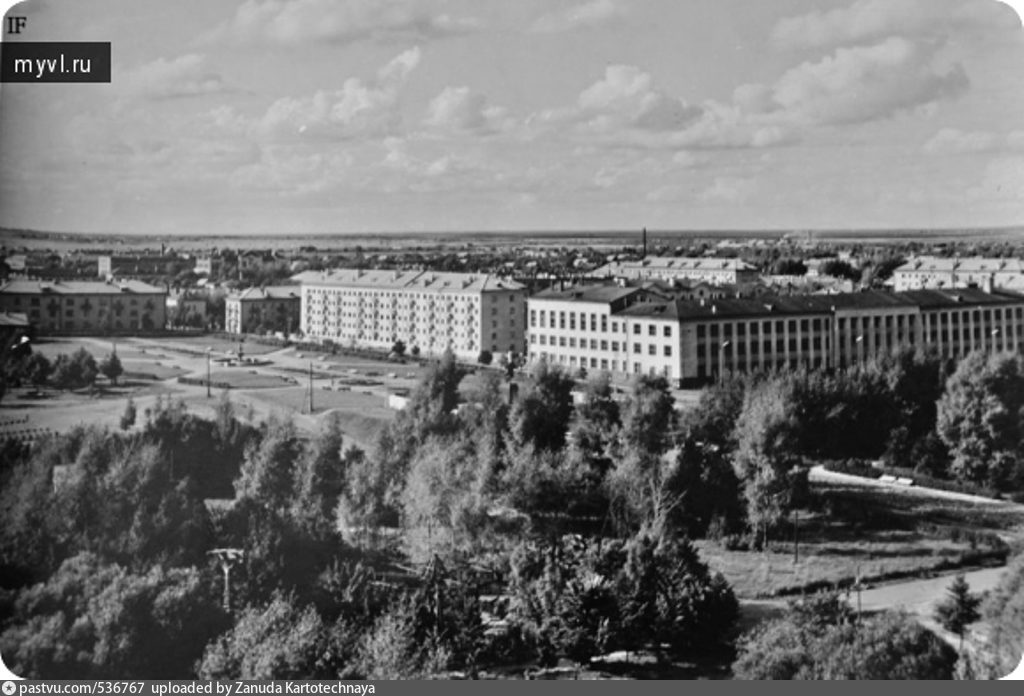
(427, 311)
(262, 310)
(702, 269)
(928, 272)
(87, 306)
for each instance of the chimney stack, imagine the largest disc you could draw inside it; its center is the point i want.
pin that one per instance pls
(645, 243)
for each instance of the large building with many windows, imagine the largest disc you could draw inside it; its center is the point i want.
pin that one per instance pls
(716, 271)
(425, 310)
(926, 272)
(86, 307)
(691, 342)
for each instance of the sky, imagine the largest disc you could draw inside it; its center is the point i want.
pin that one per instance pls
(362, 116)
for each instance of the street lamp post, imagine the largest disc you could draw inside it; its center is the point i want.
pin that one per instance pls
(721, 359)
(228, 558)
(208, 372)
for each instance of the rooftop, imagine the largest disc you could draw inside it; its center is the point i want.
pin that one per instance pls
(818, 304)
(271, 292)
(80, 287)
(599, 294)
(655, 264)
(431, 281)
(971, 264)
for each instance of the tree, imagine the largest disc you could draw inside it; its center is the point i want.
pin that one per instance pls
(38, 369)
(1003, 611)
(649, 419)
(485, 357)
(111, 367)
(320, 477)
(278, 640)
(540, 417)
(981, 419)
(766, 457)
(98, 621)
(75, 371)
(128, 417)
(960, 608)
(398, 348)
(805, 646)
(267, 475)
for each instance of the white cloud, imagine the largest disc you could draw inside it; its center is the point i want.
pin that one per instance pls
(184, 76)
(358, 108)
(871, 20)
(728, 189)
(338, 21)
(462, 109)
(866, 82)
(580, 16)
(954, 141)
(626, 97)
(1002, 180)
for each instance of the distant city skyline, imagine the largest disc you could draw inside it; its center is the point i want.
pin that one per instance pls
(363, 116)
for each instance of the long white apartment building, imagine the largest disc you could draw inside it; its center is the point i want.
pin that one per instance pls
(426, 310)
(716, 271)
(930, 272)
(697, 341)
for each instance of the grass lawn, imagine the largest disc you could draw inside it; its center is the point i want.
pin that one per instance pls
(876, 533)
(148, 369)
(756, 574)
(242, 378)
(220, 345)
(361, 415)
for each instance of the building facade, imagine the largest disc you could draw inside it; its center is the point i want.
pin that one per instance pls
(54, 307)
(262, 310)
(708, 270)
(693, 342)
(928, 272)
(425, 310)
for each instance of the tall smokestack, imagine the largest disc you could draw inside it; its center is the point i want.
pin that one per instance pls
(645, 243)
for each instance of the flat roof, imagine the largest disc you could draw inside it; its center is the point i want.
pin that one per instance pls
(271, 292)
(79, 287)
(598, 294)
(431, 281)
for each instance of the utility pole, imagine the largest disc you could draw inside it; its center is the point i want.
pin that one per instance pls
(208, 372)
(311, 386)
(796, 536)
(228, 558)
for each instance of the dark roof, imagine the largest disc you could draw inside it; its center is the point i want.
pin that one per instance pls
(590, 293)
(953, 297)
(818, 304)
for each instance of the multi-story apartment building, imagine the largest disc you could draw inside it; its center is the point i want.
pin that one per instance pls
(927, 272)
(697, 341)
(430, 311)
(709, 270)
(259, 310)
(84, 307)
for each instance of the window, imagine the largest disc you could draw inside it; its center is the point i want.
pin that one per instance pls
(652, 330)
(636, 329)
(572, 342)
(615, 327)
(572, 320)
(604, 345)
(636, 348)
(652, 349)
(533, 317)
(667, 332)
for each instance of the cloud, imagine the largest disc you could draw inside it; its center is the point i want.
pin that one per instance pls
(853, 85)
(462, 109)
(865, 83)
(184, 76)
(338, 21)
(728, 189)
(626, 97)
(580, 16)
(358, 108)
(871, 20)
(953, 141)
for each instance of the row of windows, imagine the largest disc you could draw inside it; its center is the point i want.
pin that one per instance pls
(605, 364)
